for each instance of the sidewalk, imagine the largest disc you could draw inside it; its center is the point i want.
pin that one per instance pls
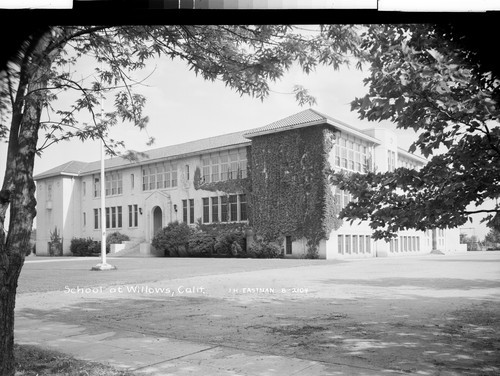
(148, 355)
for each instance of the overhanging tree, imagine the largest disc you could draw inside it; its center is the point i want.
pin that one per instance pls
(245, 58)
(423, 78)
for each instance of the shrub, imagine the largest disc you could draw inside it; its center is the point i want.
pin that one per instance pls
(230, 244)
(85, 246)
(200, 245)
(265, 249)
(115, 238)
(173, 239)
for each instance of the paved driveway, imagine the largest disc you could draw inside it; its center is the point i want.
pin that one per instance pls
(429, 315)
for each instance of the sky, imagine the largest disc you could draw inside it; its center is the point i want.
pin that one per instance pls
(183, 107)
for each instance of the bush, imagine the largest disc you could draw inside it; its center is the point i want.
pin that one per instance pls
(230, 244)
(85, 247)
(173, 239)
(264, 249)
(200, 245)
(115, 238)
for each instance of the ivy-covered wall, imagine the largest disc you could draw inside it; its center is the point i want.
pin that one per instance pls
(290, 192)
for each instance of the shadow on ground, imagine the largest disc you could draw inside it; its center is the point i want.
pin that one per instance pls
(422, 335)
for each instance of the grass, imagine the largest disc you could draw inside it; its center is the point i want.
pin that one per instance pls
(35, 361)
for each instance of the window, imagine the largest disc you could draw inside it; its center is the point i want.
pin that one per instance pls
(368, 244)
(233, 208)
(355, 243)
(97, 187)
(361, 244)
(215, 209)
(184, 211)
(396, 246)
(107, 218)
(243, 208)
(391, 160)
(119, 214)
(348, 244)
(288, 245)
(132, 181)
(187, 172)
(114, 183)
(132, 216)
(206, 210)
(223, 211)
(96, 218)
(351, 153)
(159, 176)
(84, 219)
(191, 210)
(340, 245)
(225, 165)
(113, 217)
(391, 245)
(418, 243)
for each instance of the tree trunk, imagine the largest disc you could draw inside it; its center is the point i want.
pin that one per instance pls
(18, 191)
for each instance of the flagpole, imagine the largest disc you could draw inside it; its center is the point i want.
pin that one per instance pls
(103, 265)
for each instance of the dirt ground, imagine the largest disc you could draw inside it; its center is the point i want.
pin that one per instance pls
(425, 315)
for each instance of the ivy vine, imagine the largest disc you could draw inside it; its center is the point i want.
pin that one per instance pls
(291, 194)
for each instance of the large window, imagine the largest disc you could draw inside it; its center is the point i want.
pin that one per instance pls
(113, 184)
(225, 165)
(351, 153)
(113, 217)
(159, 176)
(232, 208)
(188, 211)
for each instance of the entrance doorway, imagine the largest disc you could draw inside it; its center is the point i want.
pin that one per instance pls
(157, 220)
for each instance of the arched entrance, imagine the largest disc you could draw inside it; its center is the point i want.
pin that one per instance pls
(157, 220)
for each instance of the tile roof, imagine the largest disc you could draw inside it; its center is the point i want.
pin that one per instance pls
(307, 118)
(68, 168)
(167, 152)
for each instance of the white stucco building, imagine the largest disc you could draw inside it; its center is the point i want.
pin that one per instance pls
(164, 186)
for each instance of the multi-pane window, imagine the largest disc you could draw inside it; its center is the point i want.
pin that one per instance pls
(348, 244)
(225, 165)
(351, 154)
(97, 215)
(361, 244)
(243, 208)
(355, 243)
(191, 210)
(342, 198)
(133, 216)
(188, 211)
(184, 211)
(408, 163)
(368, 244)
(114, 183)
(223, 211)
(113, 217)
(215, 209)
(159, 176)
(97, 186)
(206, 210)
(232, 208)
